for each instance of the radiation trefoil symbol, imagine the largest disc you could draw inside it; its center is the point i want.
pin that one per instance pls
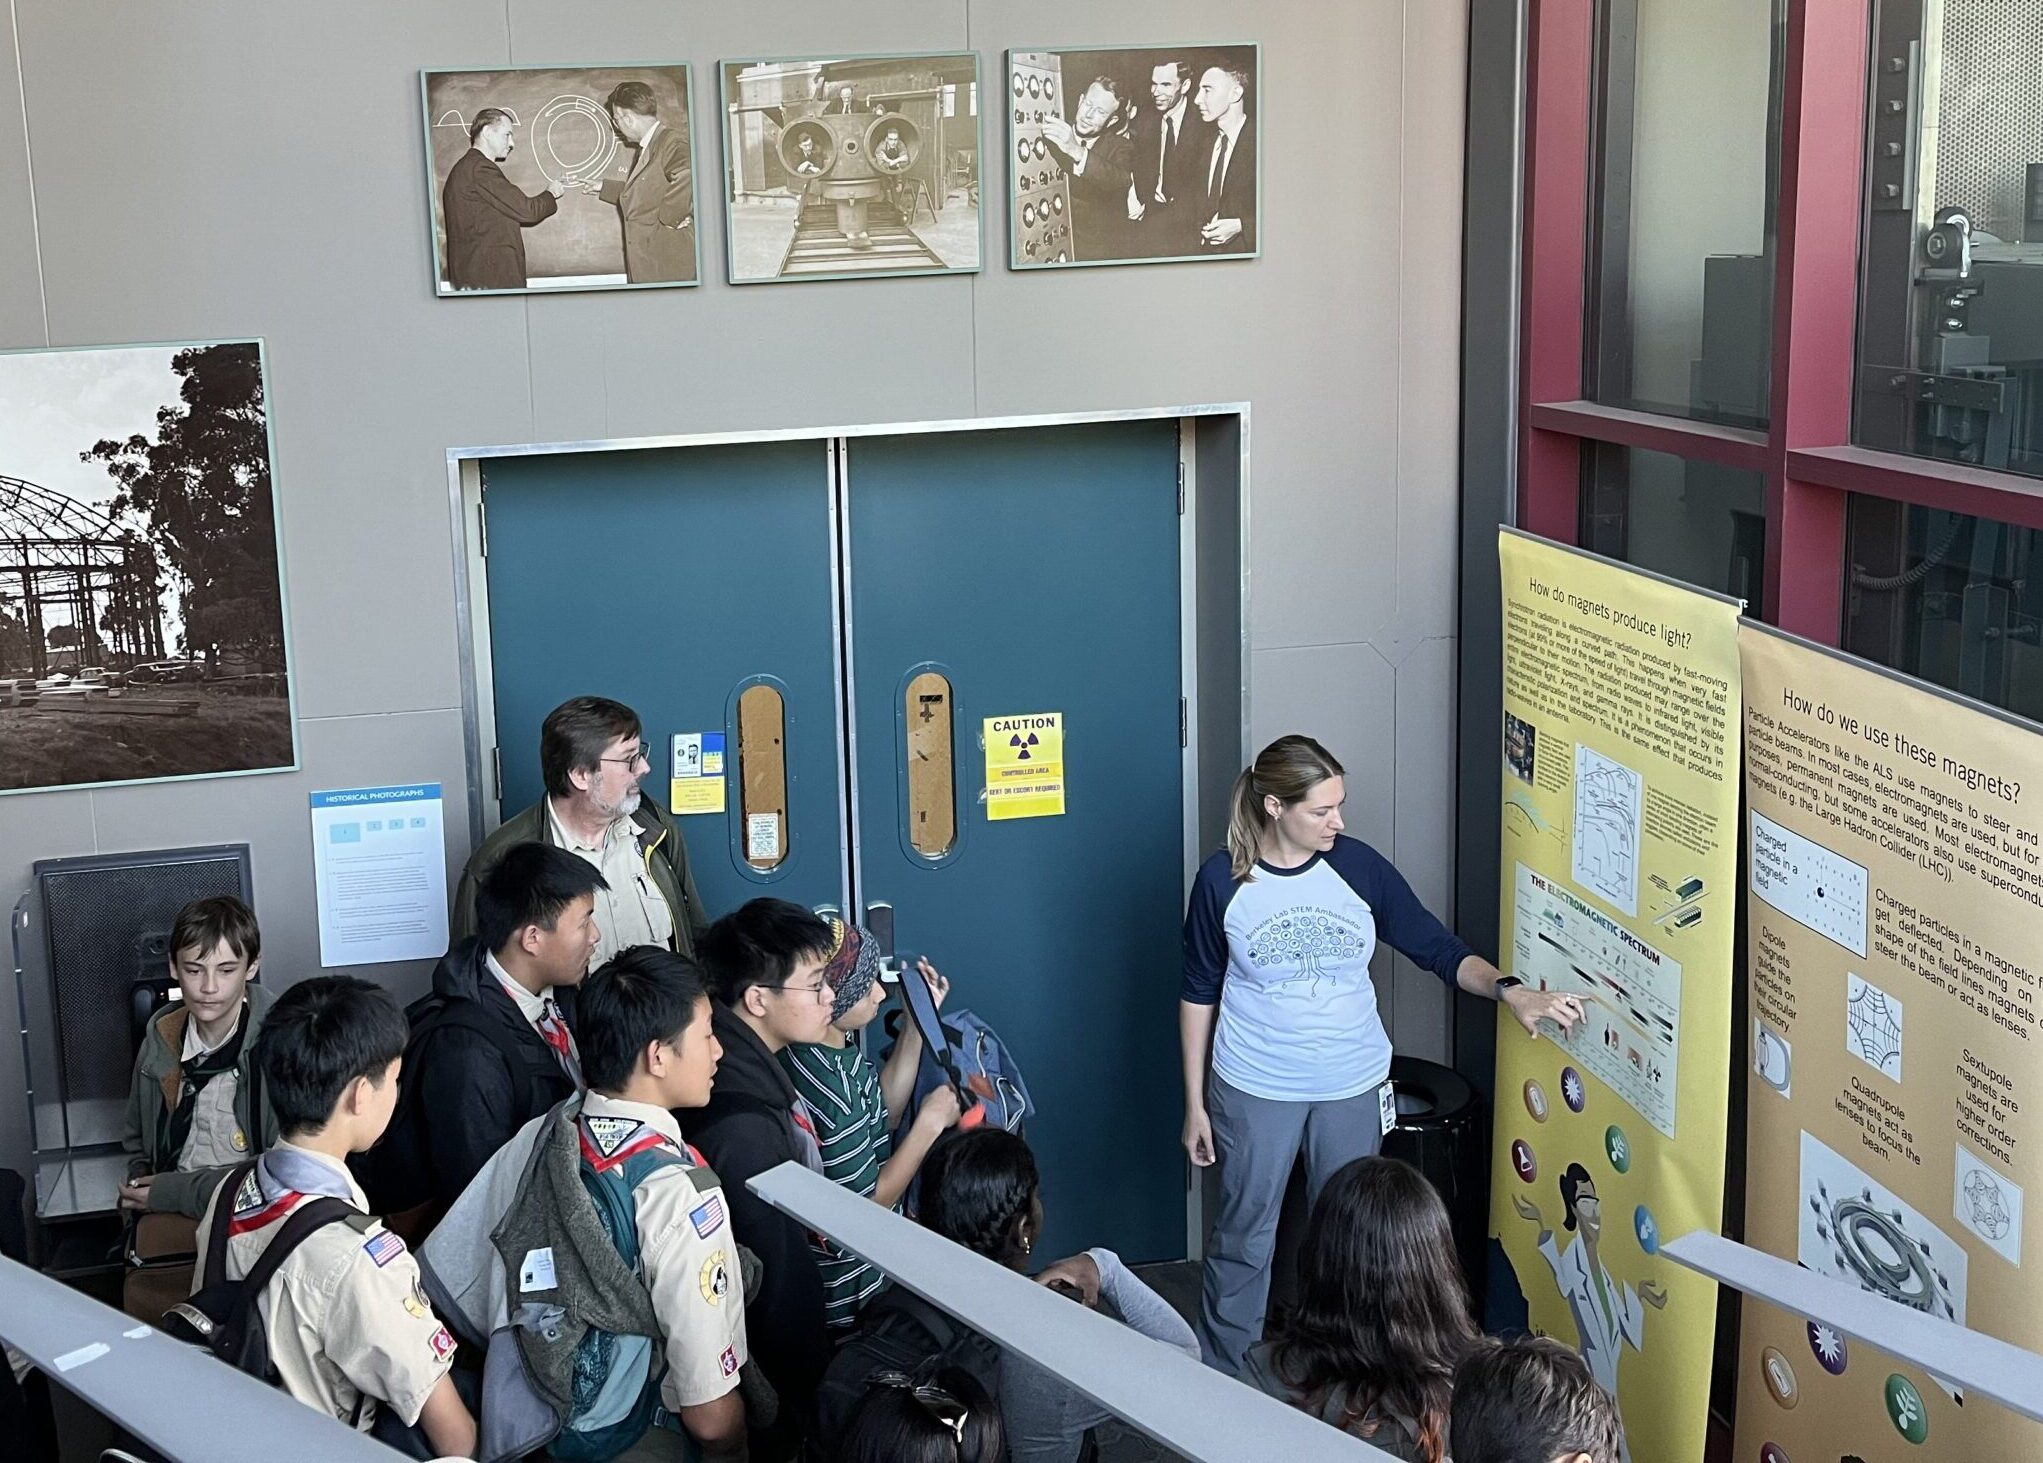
(1016, 741)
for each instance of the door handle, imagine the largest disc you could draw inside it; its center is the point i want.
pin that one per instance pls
(879, 921)
(829, 911)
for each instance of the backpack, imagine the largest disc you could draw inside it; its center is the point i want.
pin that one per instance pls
(223, 1316)
(901, 1332)
(616, 1378)
(394, 1172)
(986, 1070)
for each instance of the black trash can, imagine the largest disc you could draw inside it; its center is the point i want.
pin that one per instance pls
(1443, 1131)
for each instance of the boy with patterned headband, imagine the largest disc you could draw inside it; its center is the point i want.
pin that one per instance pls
(857, 1110)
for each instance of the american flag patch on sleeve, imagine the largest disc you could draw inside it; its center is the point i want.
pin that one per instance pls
(382, 1247)
(709, 1218)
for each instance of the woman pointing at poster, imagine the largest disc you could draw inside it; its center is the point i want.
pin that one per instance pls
(1278, 938)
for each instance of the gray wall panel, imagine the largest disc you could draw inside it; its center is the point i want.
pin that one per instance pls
(247, 168)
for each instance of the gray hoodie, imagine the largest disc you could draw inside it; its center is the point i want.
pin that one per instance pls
(158, 1077)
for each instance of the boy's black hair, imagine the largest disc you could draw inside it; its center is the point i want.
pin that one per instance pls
(758, 944)
(321, 1035)
(640, 996)
(1531, 1400)
(219, 919)
(530, 885)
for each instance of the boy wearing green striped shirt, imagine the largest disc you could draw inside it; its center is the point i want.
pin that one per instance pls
(857, 1109)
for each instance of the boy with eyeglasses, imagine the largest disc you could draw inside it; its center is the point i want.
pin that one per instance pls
(765, 966)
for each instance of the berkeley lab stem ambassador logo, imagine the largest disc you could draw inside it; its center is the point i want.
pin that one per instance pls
(1306, 940)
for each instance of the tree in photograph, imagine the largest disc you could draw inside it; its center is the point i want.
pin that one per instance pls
(201, 491)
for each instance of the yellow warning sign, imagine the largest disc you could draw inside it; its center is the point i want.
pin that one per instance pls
(1024, 766)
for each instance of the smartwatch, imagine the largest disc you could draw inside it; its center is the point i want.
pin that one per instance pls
(1505, 983)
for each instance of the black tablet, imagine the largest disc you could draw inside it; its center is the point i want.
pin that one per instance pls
(921, 1003)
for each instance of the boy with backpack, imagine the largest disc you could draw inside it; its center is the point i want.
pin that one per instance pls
(856, 1109)
(342, 1310)
(599, 1247)
(195, 1106)
(491, 1046)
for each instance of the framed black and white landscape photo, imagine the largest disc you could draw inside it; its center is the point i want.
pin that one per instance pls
(142, 621)
(1132, 155)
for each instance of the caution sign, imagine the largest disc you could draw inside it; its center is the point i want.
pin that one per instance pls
(1024, 766)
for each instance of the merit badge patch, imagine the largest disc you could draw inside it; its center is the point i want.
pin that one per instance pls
(610, 1134)
(249, 1196)
(382, 1247)
(442, 1344)
(715, 1279)
(709, 1218)
(240, 1141)
(728, 1362)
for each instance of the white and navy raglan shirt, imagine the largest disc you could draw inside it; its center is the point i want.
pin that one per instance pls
(1286, 955)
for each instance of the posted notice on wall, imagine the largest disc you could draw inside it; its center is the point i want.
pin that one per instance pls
(1024, 766)
(1619, 754)
(379, 866)
(1896, 871)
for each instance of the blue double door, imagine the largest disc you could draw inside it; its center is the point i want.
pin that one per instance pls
(850, 617)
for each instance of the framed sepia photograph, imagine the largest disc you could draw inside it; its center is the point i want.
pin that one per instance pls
(1132, 155)
(849, 167)
(142, 624)
(560, 178)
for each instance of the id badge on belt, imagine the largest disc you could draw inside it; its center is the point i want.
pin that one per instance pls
(1386, 1106)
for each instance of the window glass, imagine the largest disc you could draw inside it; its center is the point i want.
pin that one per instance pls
(1682, 198)
(1948, 598)
(932, 787)
(762, 769)
(1951, 314)
(1694, 521)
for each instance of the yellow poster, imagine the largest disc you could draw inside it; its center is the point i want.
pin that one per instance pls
(1896, 909)
(1620, 846)
(1024, 766)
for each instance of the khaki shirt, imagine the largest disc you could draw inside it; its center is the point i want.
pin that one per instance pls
(346, 1315)
(632, 911)
(216, 1138)
(688, 1260)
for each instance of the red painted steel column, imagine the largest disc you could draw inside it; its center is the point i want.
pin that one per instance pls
(1559, 62)
(1816, 289)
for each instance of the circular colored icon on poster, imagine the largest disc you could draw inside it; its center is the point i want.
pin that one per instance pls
(1617, 1148)
(1904, 1406)
(1772, 1453)
(1522, 1161)
(1647, 1228)
(1827, 1342)
(1573, 1092)
(1780, 1377)
(1535, 1100)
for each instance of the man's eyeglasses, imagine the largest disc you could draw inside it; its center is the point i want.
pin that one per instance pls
(938, 1403)
(820, 990)
(643, 754)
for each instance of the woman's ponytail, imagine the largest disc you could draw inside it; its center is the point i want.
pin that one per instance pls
(1287, 770)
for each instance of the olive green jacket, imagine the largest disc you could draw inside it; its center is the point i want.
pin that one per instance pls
(659, 844)
(159, 1076)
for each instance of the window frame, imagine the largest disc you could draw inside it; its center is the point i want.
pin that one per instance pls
(1807, 455)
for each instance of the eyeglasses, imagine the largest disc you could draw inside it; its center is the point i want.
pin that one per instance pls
(643, 754)
(820, 990)
(938, 1403)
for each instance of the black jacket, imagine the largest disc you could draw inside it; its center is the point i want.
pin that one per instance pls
(484, 214)
(747, 1128)
(466, 1100)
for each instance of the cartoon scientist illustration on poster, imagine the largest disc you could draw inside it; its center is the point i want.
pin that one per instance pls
(1608, 1314)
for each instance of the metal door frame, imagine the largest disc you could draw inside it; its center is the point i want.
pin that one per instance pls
(465, 479)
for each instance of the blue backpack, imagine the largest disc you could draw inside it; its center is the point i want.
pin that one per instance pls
(986, 1068)
(617, 1378)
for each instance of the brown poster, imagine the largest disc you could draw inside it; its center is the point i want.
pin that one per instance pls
(1895, 932)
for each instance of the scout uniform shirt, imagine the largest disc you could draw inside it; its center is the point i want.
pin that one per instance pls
(215, 1138)
(542, 1014)
(632, 911)
(687, 1258)
(346, 1314)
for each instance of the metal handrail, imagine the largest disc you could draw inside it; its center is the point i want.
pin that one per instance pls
(1178, 1402)
(1967, 1359)
(176, 1398)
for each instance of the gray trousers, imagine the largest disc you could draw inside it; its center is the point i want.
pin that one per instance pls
(1256, 1141)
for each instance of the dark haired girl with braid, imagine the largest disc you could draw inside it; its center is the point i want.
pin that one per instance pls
(981, 1190)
